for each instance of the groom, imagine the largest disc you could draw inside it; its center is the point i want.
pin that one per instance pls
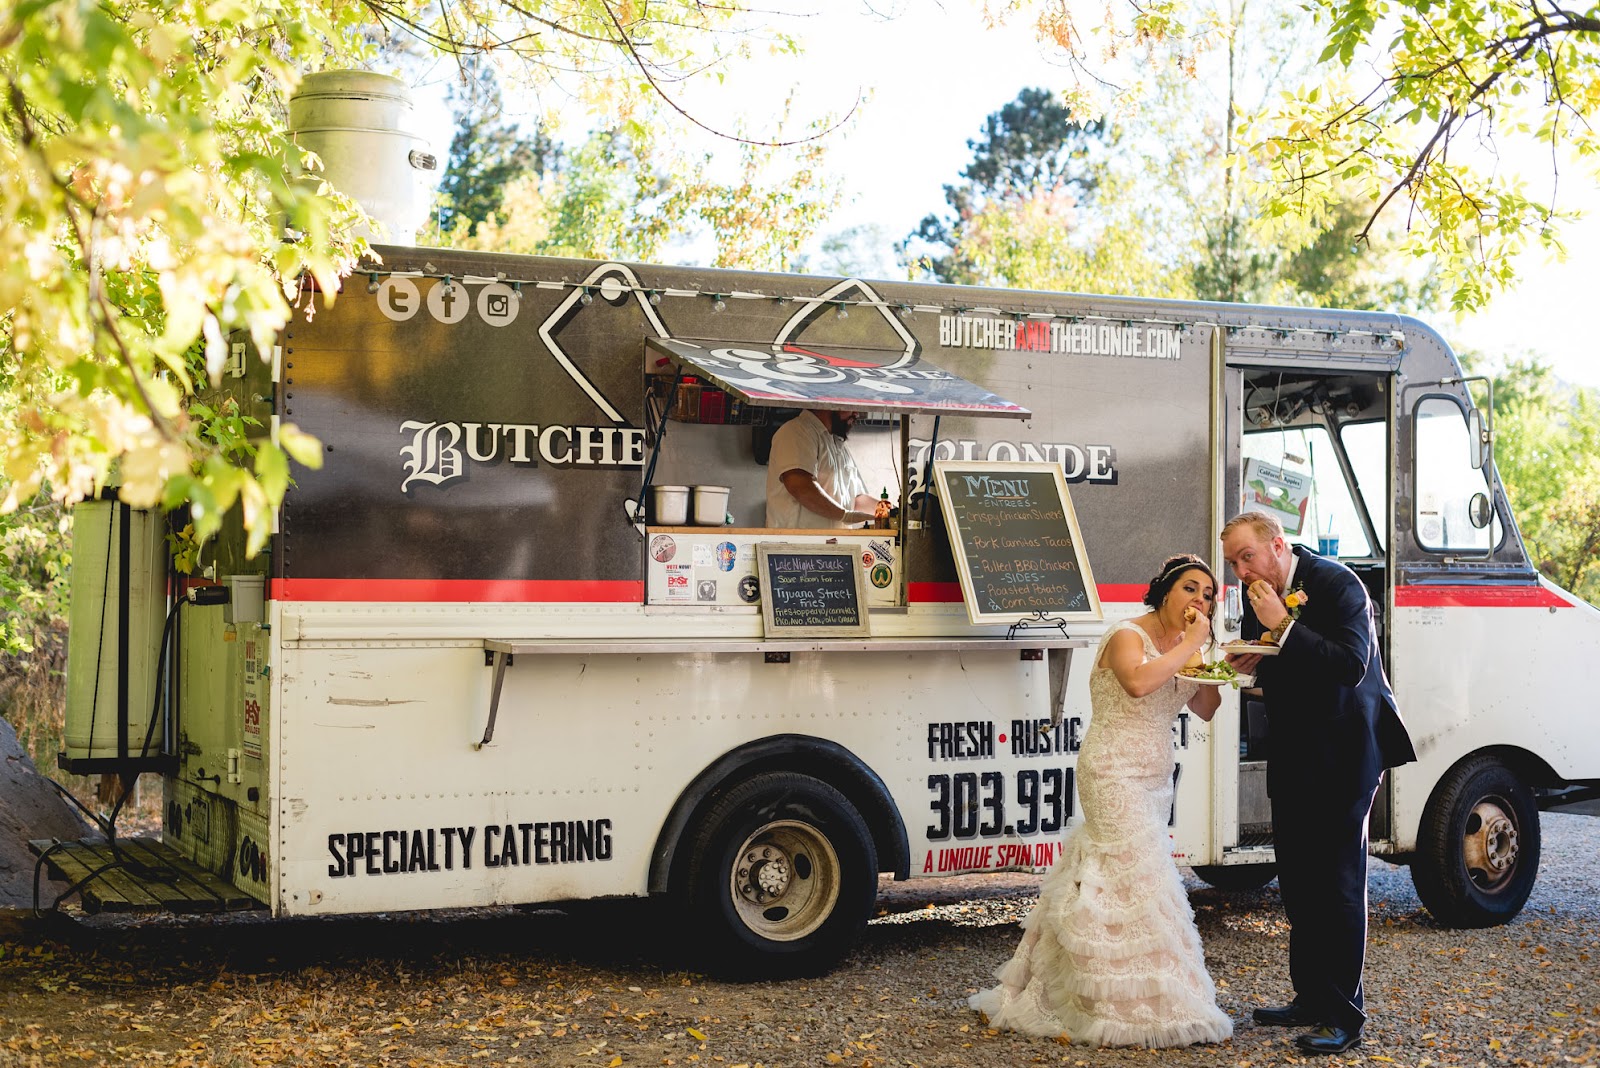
(1332, 728)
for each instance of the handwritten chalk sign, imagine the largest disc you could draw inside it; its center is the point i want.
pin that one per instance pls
(812, 591)
(1016, 542)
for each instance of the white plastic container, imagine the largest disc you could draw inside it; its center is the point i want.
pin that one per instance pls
(359, 123)
(710, 505)
(95, 674)
(671, 505)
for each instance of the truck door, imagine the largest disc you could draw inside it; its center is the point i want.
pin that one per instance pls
(1312, 447)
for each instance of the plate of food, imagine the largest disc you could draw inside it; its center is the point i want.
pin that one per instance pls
(1221, 673)
(1253, 648)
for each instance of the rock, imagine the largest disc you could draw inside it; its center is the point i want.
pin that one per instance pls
(29, 808)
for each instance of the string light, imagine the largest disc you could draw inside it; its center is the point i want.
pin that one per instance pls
(1383, 340)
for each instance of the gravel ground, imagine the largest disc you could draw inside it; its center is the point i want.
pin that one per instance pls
(547, 988)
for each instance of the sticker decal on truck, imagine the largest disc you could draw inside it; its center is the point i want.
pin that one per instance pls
(400, 852)
(435, 452)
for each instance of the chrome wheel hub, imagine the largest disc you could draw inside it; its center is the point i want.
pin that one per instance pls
(1490, 847)
(785, 880)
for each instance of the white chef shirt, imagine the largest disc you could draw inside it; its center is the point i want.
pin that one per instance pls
(805, 443)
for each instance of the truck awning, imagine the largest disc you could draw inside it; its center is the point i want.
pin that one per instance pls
(833, 377)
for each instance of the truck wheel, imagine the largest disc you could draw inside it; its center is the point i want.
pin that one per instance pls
(781, 877)
(1478, 846)
(1236, 876)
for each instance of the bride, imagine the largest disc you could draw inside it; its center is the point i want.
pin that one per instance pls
(1110, 955)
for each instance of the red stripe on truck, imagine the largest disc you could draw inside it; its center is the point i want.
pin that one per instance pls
(625, 591)
(1478, 597)
(1404, 596)
(455, 590)
(950, 592)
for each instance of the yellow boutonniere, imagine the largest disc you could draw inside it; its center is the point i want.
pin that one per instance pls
(1295, 601)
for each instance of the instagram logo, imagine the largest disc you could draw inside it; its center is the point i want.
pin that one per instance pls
(497, 304)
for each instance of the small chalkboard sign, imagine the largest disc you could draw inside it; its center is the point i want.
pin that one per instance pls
(1016, 542)
(812, 591)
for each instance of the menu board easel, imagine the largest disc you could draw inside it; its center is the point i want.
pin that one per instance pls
(811, 591)
(1018, 550)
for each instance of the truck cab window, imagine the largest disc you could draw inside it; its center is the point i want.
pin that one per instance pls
(1367, 447)
(1447, 482)
(1295, 473)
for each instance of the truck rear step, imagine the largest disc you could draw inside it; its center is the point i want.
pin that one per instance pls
(139, 875)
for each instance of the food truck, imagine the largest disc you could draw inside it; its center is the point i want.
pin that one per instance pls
(523, 636)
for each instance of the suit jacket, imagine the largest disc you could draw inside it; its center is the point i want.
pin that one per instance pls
(1331, 715)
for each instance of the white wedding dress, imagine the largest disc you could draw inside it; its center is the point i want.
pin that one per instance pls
(1110, 955)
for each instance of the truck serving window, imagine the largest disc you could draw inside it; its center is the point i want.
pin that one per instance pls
(1447, 482)
(1326, 518)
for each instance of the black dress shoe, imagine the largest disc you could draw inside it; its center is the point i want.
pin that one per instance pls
(1290, 1015)
(1328, 1039)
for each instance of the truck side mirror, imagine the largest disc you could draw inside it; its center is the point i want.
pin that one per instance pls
(1479, 511)
(1478, 438)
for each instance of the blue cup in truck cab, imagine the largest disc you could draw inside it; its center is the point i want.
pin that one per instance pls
(1328, 544)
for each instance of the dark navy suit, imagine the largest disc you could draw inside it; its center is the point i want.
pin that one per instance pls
(1332, 728)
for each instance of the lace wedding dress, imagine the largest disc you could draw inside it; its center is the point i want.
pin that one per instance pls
(1110, 955)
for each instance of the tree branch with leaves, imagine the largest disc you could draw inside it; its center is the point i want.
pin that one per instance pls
(147, 182)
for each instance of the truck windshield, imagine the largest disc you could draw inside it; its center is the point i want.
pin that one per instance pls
(1296, 473)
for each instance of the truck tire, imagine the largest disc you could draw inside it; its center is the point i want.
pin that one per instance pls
(781, 875)
(1478, 845)
(1236, 876)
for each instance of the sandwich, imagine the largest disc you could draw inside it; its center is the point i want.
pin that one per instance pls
(1195, 660)
(1262, 588)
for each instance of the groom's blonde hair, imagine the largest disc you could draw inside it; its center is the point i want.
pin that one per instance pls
(1265, 526)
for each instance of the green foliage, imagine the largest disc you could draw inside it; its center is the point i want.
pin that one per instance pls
(146, 170)
(622, 195)
(1424, 113)
(1235, 265)
(1034, 155)
(1492, 74)
(1547, 452)
(1047, 242)
(1154, 207)
(34, 558)
(487, 153)
(148, 181)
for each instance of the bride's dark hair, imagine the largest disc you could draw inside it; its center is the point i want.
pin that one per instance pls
(1167, 577)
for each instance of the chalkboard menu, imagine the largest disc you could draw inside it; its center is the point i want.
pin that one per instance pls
(812, 591)
(1016, 542)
